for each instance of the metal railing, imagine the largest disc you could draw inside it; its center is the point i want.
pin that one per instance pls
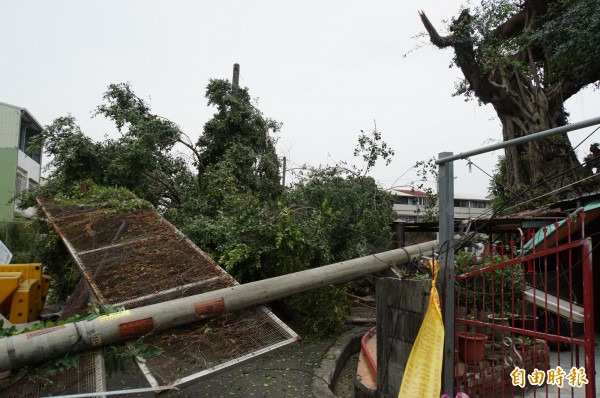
(519, 303)
(446, 230)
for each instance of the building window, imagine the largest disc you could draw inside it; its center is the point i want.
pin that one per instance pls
(28, 132)
(401, 200)
(21, 182)
(461, 203)
(408, 218)
(423, 201)
(475, 204)
(33, 185)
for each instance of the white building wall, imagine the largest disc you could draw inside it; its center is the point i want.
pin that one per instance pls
(30, 166)
(459, 212)
(469, 212)
(469, 207)
(406, 209)
(32, 171)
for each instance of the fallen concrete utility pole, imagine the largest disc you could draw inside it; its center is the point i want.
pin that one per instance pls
(44, 344)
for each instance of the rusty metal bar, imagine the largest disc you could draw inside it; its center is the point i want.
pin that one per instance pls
(532, 333)
(548, 295)
(520, 260)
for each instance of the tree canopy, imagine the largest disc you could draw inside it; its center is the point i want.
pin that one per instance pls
(526, 58)
(225, 194)
(140, 159)
(239, 137)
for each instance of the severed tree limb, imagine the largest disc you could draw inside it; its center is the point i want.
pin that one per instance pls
(462, 43)
(434, 36)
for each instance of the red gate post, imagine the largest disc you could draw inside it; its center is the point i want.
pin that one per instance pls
(588, 311)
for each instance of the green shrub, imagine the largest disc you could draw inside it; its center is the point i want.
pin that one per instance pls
(501, 286)
(319, 312)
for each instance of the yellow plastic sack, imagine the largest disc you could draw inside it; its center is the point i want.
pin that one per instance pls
(423, 372)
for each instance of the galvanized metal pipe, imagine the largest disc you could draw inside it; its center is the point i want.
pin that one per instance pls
(24, 349)
(446, 259)
(520, 140)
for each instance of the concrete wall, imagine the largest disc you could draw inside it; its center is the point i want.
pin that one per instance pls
(8, 173)
(401, 307)
(10, 125)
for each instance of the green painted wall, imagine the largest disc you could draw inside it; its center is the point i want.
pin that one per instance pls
(8, 174)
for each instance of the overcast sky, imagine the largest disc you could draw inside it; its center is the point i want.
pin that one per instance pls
(325, 69)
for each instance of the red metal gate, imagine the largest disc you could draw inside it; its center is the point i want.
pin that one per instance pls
(524, 315)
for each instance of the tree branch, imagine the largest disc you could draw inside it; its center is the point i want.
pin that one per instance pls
(569, 88)
(170, 189)
(188, 144)
(512, 26)
(434, 36)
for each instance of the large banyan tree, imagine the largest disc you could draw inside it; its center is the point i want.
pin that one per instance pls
(526, 58)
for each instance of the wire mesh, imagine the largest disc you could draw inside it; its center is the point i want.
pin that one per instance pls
(199, 350)
(138, 258)
(87, 376)
(78, 301)
(134, 258)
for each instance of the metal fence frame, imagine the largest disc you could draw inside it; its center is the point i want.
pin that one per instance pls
(446, 230)
(544, 295)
